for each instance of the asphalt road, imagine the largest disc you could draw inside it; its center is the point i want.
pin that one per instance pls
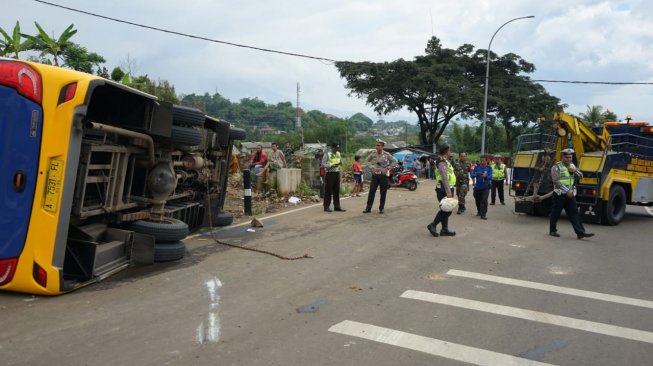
(380, 290)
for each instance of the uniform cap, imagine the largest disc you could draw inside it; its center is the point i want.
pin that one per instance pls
(567, 152)
(379, 141)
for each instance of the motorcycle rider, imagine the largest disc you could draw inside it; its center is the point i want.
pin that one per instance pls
(379, 162)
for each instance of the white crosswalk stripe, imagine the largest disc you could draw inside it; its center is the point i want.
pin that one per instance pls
(431, 346)
(536, 316)
(552, 288)
(479, 356)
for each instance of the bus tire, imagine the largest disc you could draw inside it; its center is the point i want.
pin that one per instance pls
(237, 134)
(168, 230)
(614, 209)
(224, 219)
(185, 136)
(187, 116)
(166, 252)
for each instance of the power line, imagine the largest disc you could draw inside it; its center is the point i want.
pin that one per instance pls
(331, 61)
(185, 34)
(594, 82)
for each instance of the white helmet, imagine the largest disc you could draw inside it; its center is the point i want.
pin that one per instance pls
(448, 204)
(567, 151)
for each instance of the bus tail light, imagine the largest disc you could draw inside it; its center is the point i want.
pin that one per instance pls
(7, 270)
(40, 275)
(23, 78)
(67, 92)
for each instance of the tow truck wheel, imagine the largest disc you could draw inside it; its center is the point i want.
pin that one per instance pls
(614, 209)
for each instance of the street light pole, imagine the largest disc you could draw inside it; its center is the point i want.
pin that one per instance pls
(487, 80)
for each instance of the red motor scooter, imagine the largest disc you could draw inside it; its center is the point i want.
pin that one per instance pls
(402, 178)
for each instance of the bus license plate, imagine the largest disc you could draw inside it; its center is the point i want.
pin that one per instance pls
(53, 185)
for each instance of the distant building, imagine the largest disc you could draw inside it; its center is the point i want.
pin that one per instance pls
(266, 130)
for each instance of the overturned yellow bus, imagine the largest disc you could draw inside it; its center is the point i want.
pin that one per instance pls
(97, 176)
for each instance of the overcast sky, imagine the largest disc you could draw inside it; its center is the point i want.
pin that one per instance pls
(585, 40)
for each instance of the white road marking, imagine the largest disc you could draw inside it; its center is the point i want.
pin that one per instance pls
(431, 346)
(553, 288)
(209, 331)
(562, 321)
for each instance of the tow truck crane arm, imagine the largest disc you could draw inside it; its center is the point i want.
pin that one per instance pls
(583, 138)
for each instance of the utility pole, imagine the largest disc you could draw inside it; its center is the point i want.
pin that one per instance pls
(406, 125)
(298, 117)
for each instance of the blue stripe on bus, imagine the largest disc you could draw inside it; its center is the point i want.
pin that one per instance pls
(21, 125)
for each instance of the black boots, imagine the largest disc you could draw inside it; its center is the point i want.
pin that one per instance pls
(446, 232)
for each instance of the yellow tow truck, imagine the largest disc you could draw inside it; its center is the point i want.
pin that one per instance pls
(616, 162)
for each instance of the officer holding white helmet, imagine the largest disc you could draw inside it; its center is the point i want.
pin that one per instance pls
(562, 176)
(446, 180)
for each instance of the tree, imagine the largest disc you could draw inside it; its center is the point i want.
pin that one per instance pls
(12, 44)
(103, 72)
(436, 87)
(360, 122)
(50, 46)
(78, 58)
(517, 102)
(609, 116)
(593, 116)
(117, 74)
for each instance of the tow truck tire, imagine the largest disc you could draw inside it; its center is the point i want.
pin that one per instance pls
(166, 252)
(614, 209)
(168, 230)
(187, 116)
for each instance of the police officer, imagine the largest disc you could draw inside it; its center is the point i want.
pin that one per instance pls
(379, 162)
(461, 169)
(332, 163)
(498, 177)
(446, 181)
(562, 176)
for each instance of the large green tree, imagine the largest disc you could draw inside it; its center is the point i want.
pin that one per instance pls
(447, 83)
(436, 87)
(517, 103)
